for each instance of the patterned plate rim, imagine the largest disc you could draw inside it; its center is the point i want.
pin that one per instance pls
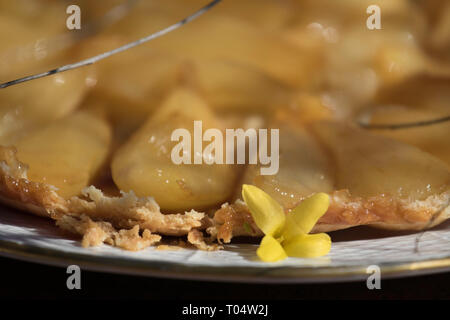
(164, 269)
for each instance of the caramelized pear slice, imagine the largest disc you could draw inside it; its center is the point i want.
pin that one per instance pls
(34, 103)
(144, 164)
(266, 14)
(138, 79)
(67, 153)
(235, 87)
(303, 168)
(28, 34)
(225, 38)
(233, 40)
(430, 138)
(144, 78)
(141, 79)
(372, 165)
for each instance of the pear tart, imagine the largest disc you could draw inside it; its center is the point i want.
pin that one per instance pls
(372, 180)
(91, 148)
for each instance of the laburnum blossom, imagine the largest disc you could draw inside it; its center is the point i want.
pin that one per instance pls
(286, 234)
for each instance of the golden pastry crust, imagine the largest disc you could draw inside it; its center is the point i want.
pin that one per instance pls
(96, 233)
(134, 223)
(344, 212)
(17, 190)
(195, 237)
(129, 210)
(95, 216)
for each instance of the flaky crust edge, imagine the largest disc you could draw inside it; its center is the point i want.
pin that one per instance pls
(128, 221)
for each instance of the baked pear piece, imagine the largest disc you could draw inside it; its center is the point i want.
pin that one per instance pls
(421, 99)
(53, 163)
(144, 164)
(32, 41)
(33, 104)
(430, 138)
(142, 79)
(223, 37)
(30, 33)
(371, 179)
(68, 153)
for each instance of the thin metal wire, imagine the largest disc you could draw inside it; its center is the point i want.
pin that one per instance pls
(107, 54)
(63, 41)
(115, 13)
(397, 126)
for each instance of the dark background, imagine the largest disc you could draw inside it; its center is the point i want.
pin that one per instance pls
(28, 280)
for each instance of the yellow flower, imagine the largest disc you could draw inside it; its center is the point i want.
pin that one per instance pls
(287, 234)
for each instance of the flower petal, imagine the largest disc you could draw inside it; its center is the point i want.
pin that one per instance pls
(270, 250)
(291, 229)
(266, 212)
(309, 211)
(308, 245)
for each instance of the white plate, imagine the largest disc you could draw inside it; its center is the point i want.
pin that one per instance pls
(36, 239)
